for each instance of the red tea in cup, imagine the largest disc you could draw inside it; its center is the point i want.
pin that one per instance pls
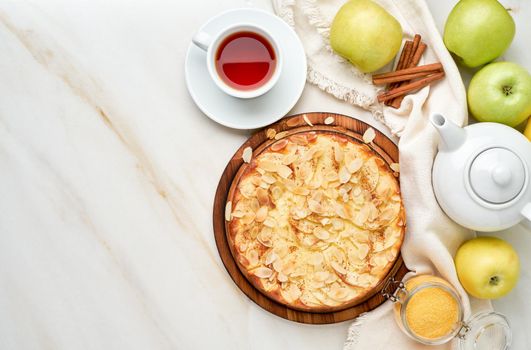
(245, 60)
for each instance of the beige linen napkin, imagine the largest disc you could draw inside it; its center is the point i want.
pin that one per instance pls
(431, 238)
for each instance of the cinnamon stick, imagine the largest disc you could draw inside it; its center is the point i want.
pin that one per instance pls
(416, 42)
(418, 54)
(407, 88)
(427, 68)
(402, 77)
(414, 61)
(402, 61)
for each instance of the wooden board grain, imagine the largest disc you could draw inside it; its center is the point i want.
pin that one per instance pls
(294, 124)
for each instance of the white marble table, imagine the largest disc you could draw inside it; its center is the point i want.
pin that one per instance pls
(107, 176)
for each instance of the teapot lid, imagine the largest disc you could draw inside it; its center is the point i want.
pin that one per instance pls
(497, 175)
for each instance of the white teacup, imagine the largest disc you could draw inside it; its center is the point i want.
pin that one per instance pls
(211, 43)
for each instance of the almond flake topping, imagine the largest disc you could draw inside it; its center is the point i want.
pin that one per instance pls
(270, 133)
(262, 272)
(329, 120)
(247, 154)
(369, 135)
(306, 120)
(279, 145)
(317, 218)
(280, 135)
(395, 167)
(228, 211)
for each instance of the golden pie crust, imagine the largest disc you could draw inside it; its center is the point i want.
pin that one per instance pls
(316, 221)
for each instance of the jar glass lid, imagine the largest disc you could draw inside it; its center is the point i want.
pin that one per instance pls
(486, 330)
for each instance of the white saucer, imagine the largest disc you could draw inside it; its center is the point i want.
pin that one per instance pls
(260, 111)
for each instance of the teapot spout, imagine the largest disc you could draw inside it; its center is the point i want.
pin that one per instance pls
(451, 135)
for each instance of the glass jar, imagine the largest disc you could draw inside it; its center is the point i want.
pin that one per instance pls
(429, 310)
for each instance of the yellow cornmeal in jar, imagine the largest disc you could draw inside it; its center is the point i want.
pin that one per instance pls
(432, 313)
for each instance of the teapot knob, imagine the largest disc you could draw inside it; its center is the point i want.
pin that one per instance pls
(501, 175)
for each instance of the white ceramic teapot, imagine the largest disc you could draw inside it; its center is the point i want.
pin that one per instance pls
(481, 175)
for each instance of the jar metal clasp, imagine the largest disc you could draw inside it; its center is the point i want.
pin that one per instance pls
(463, 330)
(394, 290)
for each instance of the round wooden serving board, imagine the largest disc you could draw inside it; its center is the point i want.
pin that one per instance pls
(299, 123)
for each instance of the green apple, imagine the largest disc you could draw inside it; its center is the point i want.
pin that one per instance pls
(365, 34)
(500, 92)
(478, 31)
(487, 267)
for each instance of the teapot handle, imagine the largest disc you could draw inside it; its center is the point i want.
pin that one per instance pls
(526, 213)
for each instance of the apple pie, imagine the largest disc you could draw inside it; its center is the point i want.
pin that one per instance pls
(315, 221)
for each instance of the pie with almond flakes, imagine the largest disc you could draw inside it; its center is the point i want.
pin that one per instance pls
(315, 221)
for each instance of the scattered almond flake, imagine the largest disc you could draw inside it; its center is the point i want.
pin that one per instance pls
(339, 294)
(369, 135)
(316, 259)
(273, 278)
(269, 179)
(338, 153)
(362, 216)
(363, 250)
(254, 204)
(379, 260)
(355, 165)
(300, 140)
(294, 292)
(277, 266)
(395, 167)
(306, 120)
(279, 145)
(338, 224)
(261, 214)
(331, 175)
(248, 218)
(301, 191)
(242, 247)
(270, 133)
(281, 277)
(321, 276)
(288, 268)
(228, 211)
(238, 214)
(268, 165)
(280, 135)
(262, 272)
(389, 214)
(247, 154)
(338, 268)
(270, 222)
(290, 158)
(284, 171)
(270, 257)
(321, 233)
(344, 175)
(252, 257)
(263, 196)
(365, 280)
(329, 120)
(292, 121)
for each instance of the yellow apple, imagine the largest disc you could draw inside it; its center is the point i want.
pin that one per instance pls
(364, 33)
(487, 267)
(527, 131)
